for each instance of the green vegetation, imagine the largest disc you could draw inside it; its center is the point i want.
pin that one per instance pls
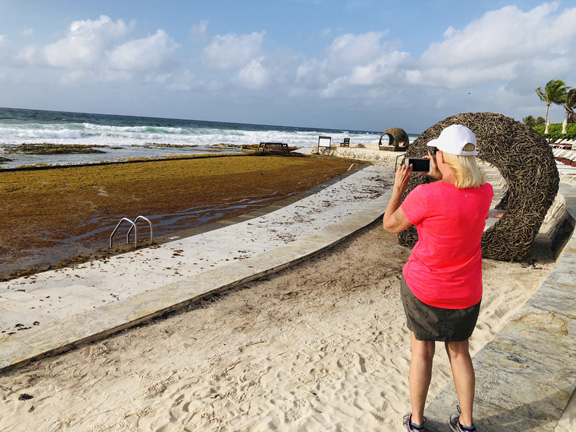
(555, 131)
(531, 121)
(570, 105)
(556, 92)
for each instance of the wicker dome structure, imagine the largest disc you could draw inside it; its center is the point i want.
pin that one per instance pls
(526, 163)
(397, 137)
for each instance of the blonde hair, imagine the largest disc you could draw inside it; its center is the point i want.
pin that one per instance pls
(466, 171)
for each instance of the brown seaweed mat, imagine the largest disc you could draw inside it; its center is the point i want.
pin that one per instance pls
(526, 163)
(61, 215)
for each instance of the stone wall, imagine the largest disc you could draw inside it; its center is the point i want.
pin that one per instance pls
(369, 153)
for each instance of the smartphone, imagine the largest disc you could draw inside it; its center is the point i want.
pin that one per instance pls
(419, 165)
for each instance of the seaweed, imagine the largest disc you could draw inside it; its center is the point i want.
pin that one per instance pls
(49, 149)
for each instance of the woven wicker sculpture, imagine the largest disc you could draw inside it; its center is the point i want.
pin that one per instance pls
(526, 163)
(397, 137)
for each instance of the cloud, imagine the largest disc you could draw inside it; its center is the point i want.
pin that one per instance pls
(377, 72)
(355, 49)
(28, 56)
(184, 81)
(83, 77)
(199, 32)
(97, 52)
(254, 75)
(233, 51)
(153, 52)
(353, 62)
(493, 62)
(86, 43)
(501, 46)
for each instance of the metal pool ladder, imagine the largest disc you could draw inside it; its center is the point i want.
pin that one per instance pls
(133, 227)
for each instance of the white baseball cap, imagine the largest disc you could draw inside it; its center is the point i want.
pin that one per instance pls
(456, 140)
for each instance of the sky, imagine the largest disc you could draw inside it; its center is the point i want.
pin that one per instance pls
(342, 64)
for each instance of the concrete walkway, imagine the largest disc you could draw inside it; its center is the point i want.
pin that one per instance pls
(51, 311)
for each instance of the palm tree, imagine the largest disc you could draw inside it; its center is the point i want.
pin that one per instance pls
(554, 92)
(529, 121)
(569, 105)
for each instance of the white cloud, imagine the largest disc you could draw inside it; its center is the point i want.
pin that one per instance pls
(501, 46)
(354, 61)
(254, 75)
(355, 49)
(312, 73)
(152, 52)
(381, 69)
(86, 43)
(83, 77)
(184, 81)
(199, 32)
(27, 32)
(494, 62)
(28, 55)
(96, 51)
(233, 51)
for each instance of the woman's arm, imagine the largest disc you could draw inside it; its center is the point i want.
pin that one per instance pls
(395, 220)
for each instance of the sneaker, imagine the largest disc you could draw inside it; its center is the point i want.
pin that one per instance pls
(455, 425)
(411, 427)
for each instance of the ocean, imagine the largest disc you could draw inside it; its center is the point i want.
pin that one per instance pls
(122, 137)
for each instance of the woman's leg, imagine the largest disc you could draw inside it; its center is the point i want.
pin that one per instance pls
(464, 378)
(420, 375)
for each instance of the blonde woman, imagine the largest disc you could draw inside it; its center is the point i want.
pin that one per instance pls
(441, 288)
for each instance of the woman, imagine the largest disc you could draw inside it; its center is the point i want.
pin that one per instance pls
(442, 285)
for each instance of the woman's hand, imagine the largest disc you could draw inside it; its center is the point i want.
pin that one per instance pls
(435, 173)
(402, 178)
(394, 219)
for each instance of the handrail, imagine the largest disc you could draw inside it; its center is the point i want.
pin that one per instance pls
(118, 226)
(136, 229)
(396, 163)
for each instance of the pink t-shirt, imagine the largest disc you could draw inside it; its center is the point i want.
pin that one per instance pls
(445, 267)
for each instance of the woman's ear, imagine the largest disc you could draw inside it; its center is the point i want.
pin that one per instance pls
(439, 156)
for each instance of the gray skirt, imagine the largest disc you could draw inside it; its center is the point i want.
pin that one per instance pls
(431, 323)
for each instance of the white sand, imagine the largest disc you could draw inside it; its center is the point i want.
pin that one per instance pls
(320, 346)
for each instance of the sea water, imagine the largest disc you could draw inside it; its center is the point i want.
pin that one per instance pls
(123, 137)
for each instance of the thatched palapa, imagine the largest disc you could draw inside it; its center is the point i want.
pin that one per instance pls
(526, 163)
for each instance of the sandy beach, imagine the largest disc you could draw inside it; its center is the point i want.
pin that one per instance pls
(319, 346)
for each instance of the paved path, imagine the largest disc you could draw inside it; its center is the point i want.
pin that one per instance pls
(51, 311)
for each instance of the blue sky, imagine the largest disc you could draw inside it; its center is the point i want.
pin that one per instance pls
(351, 64)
